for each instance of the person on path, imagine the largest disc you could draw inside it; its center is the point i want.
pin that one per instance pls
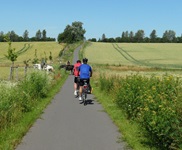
(85, 72)
(76, 76)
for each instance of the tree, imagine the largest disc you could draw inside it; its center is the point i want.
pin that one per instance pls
(12, 56)
(35, 60)
(103, 38)
(169, 36)
(44, 35)
(38, 35)
(125, 36)
(72, 33)
(26, 65)
(131, 36)
(25, 35)
(111, 40)
(1, 36)
(153, 36)
(13, 36)
(139, 36)
(78, 31)
(92, 40)
(118, 39)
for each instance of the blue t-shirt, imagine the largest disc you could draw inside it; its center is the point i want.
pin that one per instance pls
(85, 70)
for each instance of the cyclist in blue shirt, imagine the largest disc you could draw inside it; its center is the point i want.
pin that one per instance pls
(85, 72)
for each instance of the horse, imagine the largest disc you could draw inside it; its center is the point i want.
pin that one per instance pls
(47, 68)
(67, 68)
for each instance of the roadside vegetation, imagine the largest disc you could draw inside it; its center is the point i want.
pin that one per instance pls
(26, 95)
(153, 104)
(23, 100)
(143, 99)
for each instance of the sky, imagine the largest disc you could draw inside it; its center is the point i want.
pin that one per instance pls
(109, 17)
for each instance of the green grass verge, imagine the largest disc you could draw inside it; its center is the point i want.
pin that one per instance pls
(130, 131)
(13, 135)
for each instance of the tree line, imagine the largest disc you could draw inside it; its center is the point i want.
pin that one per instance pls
(75, 32)
(169, 36)
(39, 36)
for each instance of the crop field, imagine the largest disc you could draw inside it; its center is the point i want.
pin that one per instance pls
(26, 51)
(124, 58)
(152, 55)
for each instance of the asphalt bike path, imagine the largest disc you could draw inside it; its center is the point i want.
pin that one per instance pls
(67, 124)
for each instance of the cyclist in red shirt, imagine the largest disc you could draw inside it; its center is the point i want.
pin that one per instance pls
(76, 74)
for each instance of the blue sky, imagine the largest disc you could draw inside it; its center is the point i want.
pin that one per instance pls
(109, 17)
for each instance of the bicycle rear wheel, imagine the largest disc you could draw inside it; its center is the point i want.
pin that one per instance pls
(84, 96)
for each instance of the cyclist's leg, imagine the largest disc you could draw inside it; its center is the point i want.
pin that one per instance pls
(75, 85)
(80, 90)
(88, 82)
(78, 84)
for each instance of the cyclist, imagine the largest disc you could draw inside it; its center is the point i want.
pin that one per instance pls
(76, 76)
(85, 72)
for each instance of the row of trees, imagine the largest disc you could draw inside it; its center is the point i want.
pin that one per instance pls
(169, 36)
(75, 32)
(39, 36)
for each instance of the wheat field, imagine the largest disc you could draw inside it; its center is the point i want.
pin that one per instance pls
(166, 55)
(124, 59)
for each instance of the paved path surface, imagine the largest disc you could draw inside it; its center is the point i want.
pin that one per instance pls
(68, 125)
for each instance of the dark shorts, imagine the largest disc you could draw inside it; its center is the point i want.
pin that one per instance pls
(82, 81)
(76, 79)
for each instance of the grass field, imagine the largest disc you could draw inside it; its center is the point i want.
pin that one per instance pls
(26, 51)
(128, 58)
(162, 55)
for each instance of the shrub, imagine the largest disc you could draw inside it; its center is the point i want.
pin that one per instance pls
(17, 99)
(35, 86)
(10, 109)
(155, 103)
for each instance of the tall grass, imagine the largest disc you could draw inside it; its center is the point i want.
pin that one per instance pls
(22, 97)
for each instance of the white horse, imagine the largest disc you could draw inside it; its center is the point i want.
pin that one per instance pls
(37, 66)
(45, 67)
(49, 68)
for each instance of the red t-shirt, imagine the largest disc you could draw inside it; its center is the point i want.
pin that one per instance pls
(75, 69)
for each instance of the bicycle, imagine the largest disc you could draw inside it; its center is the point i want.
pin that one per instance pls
(84, 92)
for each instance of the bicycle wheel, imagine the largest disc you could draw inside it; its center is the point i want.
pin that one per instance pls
(84, 96)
